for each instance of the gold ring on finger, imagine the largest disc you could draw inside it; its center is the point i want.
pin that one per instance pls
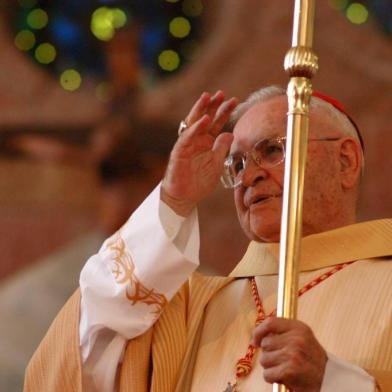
(182, 127)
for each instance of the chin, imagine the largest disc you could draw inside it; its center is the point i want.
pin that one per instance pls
(261, 229)
(266, 237)
(265, 230)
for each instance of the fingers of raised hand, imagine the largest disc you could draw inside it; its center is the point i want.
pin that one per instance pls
(215, 103)
(202, 125)
(195, 137)
(223, 115)
(215, 107)
(205, 105)
(198, 109)
(221, 147)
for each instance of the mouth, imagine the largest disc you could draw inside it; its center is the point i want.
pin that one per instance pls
(263, 199)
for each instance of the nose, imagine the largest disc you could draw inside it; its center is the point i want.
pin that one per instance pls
(252, 172)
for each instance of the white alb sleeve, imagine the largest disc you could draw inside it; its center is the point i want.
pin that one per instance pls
(342, 376)
(155, 250)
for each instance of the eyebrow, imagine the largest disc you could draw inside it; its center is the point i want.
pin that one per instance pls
(275, 135)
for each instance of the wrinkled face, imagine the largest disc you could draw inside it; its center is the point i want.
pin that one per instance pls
(259, 198)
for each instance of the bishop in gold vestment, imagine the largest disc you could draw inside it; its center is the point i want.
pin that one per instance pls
(207, 325)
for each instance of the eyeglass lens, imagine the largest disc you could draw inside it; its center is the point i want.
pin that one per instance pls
(266, 152)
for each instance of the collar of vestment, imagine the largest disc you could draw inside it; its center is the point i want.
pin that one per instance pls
(359, 241)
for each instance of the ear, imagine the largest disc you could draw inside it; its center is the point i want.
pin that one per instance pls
(350, 159)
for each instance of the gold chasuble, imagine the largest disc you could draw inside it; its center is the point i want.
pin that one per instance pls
(206, 328)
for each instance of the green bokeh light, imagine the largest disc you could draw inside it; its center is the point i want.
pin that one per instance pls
(169, 60)
(357, 13)
(37, 19)
(180, 27)
(45, 53)
(105, 20)
(70, 80)
(25, 40)
(120, 18)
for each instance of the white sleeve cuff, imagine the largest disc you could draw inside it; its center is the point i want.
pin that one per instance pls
(171, 222)
(184, 232)
(158, 263)
(156, 250)
(342, 376)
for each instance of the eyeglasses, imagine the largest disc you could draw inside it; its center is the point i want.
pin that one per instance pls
(265, 153)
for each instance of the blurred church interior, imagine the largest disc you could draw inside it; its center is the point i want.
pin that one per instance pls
(91, 95)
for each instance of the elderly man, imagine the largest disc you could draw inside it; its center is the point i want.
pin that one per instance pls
(146, 322)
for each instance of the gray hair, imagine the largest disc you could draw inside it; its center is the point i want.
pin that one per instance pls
(267, 93)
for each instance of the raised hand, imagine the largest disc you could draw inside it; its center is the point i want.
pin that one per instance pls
(196, 160)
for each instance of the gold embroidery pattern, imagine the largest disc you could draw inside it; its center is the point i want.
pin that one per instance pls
(124, 273)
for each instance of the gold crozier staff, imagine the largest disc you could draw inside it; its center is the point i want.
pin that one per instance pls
(301, 64)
